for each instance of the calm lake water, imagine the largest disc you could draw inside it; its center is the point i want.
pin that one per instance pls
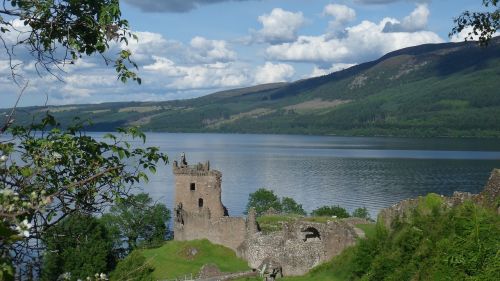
(321, 170)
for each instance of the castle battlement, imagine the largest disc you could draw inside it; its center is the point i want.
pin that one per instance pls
(200, 169)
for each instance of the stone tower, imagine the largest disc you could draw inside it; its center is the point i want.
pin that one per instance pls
(199, 212)
(198, 189)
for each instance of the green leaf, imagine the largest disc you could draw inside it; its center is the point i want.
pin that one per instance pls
(152, 169)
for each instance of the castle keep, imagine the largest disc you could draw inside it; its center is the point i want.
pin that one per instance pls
(199, 212)
(298, 247)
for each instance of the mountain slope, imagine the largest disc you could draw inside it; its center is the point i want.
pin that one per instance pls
(450, 89)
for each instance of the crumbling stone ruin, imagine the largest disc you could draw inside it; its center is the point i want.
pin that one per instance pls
(489, 197)
(298, 247)
(199, 212)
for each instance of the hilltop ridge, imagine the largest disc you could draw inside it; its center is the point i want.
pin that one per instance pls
(449, 89)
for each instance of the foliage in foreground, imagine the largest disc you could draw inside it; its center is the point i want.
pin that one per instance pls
(80, 244)
(48, 173)
(178, 259)
(480, 26)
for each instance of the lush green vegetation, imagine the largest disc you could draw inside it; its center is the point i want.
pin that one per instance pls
(361, 213)
(271, 223)
(424, 91)
(264, 200)
(138, 221)
(79, 244)
(134, 267)
(82, 245)
(432, 244)
(181, 258)
(47, 174)
(330, 211)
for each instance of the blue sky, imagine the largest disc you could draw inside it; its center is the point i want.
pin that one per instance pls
(189, 48)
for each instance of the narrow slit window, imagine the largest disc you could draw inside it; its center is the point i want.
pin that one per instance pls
(192, 186)
(200, 202)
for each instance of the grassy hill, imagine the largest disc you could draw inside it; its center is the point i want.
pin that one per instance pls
(177, 259)
(450, 89)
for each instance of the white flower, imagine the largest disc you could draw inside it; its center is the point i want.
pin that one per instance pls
(26, 224)
(56, 155)
(24, 228)
(103, 276)
(6, 192)
(3, 158)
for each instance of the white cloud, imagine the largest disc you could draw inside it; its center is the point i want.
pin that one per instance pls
(211, 50)
(202, 76)
(466, 34)
(416, 21)
(341, 15)
(317, 71)
(362, 42)
(168, 69)
(279, 26)
(270, 73)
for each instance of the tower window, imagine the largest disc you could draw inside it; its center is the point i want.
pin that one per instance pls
(192, 186)
(200, 202)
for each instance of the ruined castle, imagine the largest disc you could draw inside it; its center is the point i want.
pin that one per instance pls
(298, 247)
(199, 212)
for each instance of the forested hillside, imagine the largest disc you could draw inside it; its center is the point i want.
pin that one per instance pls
(450, 89)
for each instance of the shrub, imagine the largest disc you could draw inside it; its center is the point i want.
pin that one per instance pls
(79, 245)
(361, 213)
(262, 200)
(330, 211)
(290, 206)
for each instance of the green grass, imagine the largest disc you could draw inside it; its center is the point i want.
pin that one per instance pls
(369, 229)
(174, 258)
(271, 223)
(320, 219)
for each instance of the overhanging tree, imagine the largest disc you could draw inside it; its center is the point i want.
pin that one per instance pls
(483, 25)
(48, 173)
(58, 32)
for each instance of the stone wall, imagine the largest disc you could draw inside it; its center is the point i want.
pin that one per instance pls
(227, 231)
(300, 246)
(489, 197)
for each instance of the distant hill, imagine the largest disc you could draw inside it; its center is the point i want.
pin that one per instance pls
(450, 89)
